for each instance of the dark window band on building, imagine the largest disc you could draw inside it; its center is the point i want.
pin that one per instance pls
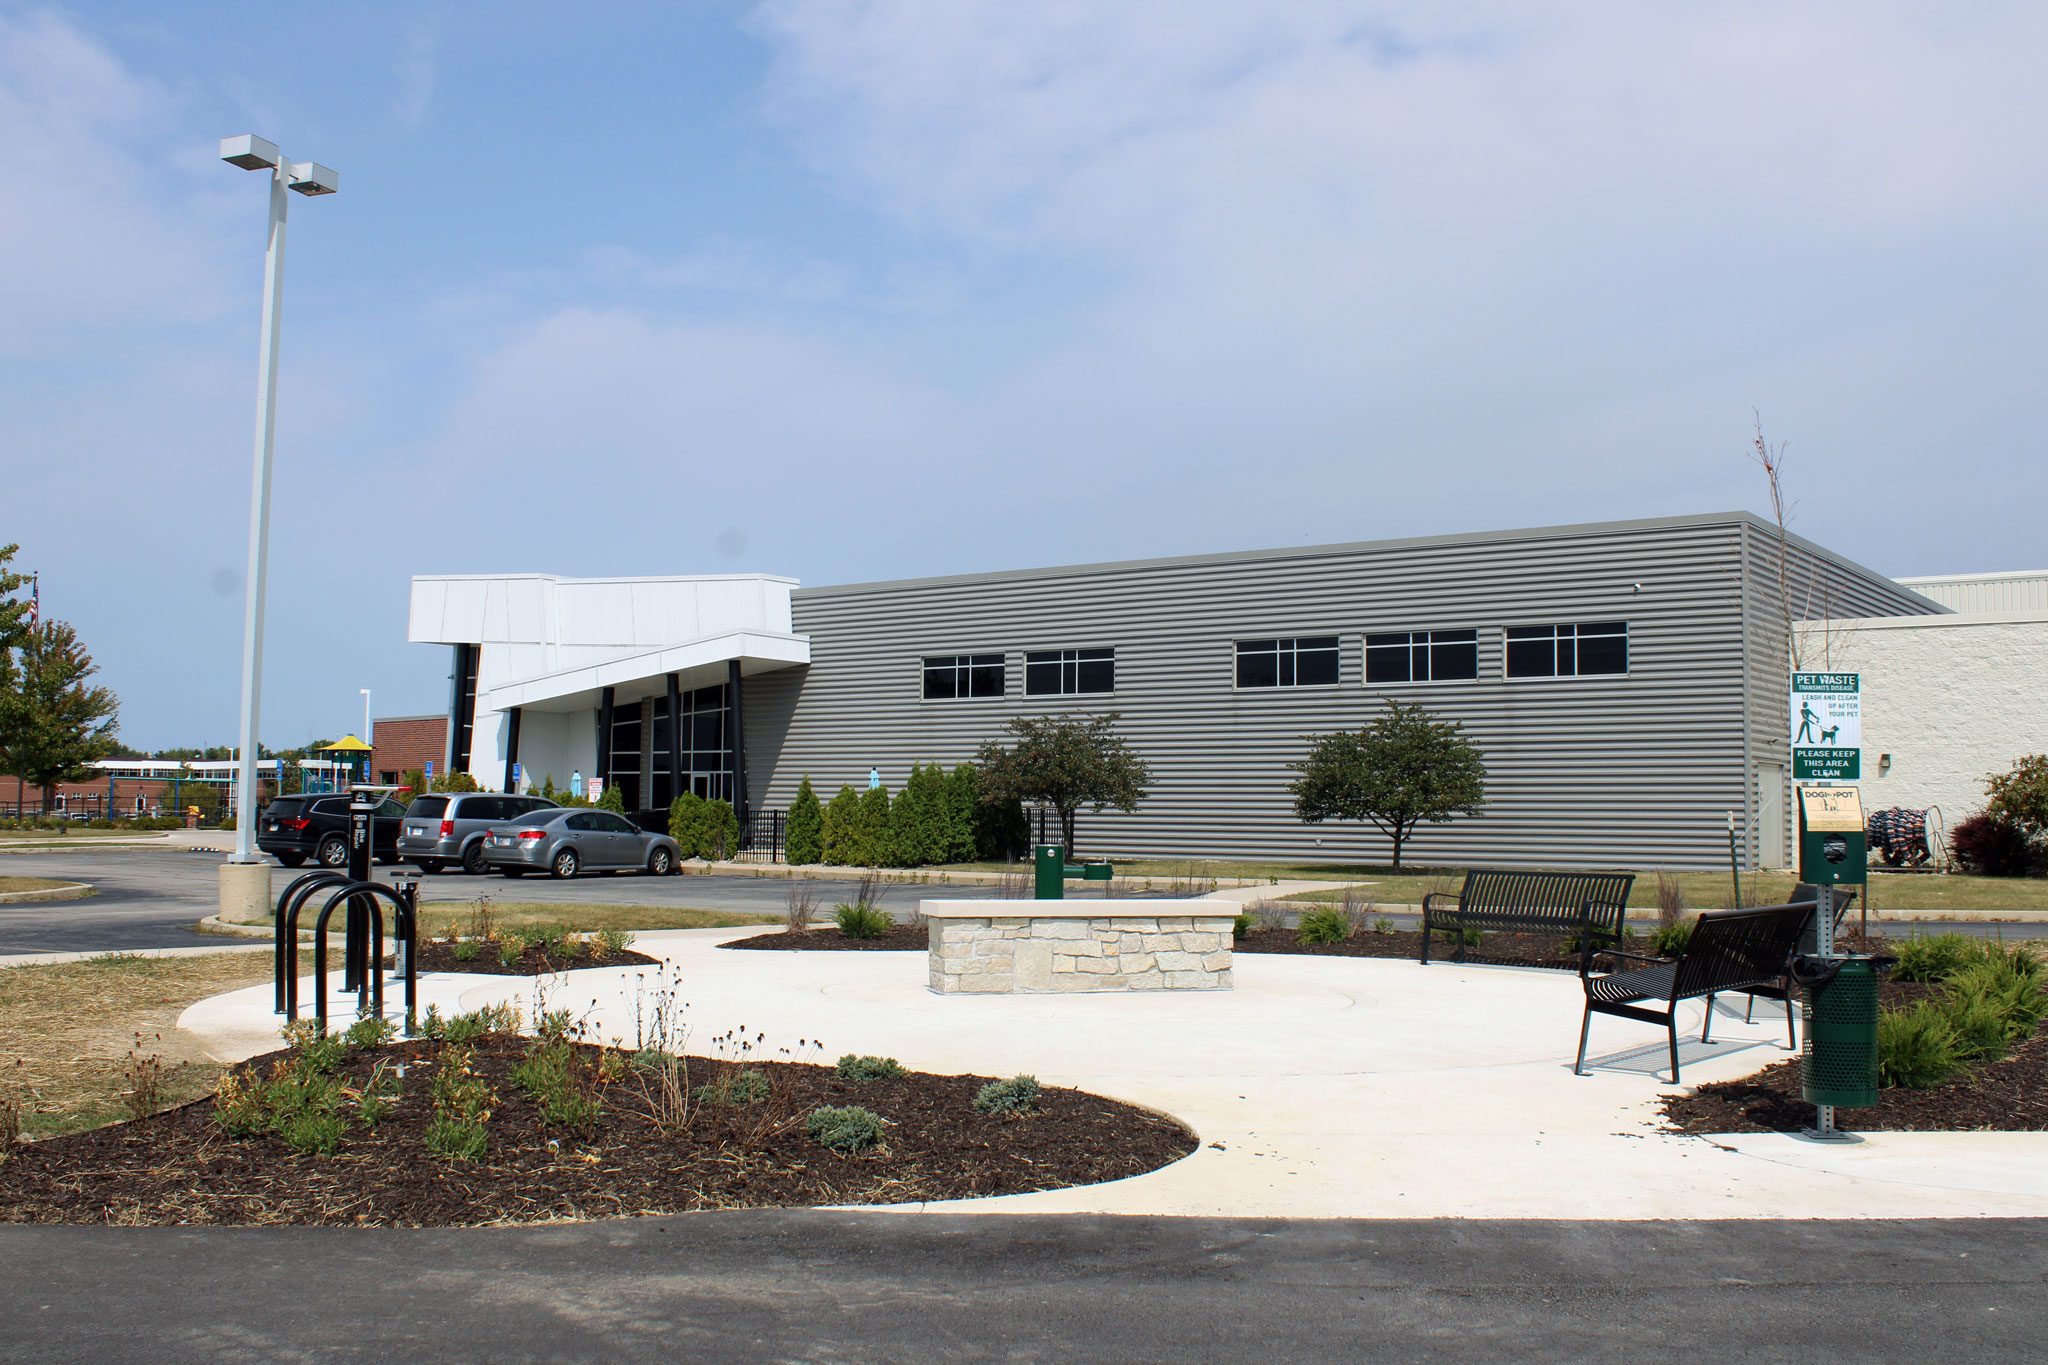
(1067, 672)
(962, 675)
(1578, 651)
(1290, 661)
(1422, 656)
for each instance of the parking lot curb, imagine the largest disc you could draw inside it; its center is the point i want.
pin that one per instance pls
(69, 891)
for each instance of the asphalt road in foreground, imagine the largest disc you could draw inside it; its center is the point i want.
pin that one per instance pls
(815, 1286)
(151, 898)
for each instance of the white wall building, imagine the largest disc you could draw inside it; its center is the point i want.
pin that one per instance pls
(1946, 700)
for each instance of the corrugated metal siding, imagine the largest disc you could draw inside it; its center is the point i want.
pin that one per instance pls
(1817, 585)
(1636, 771)
(1985, 593)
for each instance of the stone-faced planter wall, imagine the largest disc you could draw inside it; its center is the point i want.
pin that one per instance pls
(1051, 947)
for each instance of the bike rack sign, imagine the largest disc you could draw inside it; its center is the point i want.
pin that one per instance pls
(1827, 727)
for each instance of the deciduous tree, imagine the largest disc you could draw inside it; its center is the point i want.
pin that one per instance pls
(1065, 762)
(1405, 768)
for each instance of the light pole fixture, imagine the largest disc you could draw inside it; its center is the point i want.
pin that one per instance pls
(309, 178)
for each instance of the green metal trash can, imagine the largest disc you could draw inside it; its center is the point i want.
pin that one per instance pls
(1839, 1064)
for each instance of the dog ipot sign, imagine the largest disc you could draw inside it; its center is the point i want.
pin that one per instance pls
(1827, 727)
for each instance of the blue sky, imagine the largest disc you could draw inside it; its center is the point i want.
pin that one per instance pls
(853, 290)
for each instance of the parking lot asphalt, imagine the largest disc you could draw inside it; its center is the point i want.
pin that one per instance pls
(151, 898)
(814, 1285)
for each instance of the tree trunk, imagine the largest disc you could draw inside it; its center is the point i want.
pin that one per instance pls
(1399, 836)
(49, 798)
(1067, 830)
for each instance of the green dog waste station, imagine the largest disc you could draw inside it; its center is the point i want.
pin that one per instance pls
(1838, 1065)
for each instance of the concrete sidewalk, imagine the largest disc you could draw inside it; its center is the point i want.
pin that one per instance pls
(1319, 1087)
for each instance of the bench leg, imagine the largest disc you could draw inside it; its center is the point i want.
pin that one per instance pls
(1585, 1028)
(1749, 1010)
(1708, 1027)
(1791, 1033)
(1674, 1046)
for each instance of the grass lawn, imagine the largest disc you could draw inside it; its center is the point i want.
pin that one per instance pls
(69, 1031)
(51, 836)
(1712, 891)
(32, 884)
(438, 917)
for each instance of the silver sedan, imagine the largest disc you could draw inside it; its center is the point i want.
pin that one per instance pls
(564, 842)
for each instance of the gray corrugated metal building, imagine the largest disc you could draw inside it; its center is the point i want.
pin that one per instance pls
(1626, 681)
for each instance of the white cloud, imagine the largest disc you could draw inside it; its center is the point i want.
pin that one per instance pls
(96, 224)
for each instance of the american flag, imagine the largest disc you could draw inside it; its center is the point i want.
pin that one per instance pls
(35, 599)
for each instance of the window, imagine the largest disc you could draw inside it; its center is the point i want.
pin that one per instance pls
(583, 819)
(1303, 661)
(1422, 656)
(1062, 672)
(963, 675)
(616, 824)
(1568, 651)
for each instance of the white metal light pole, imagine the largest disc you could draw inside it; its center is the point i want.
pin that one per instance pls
(368, 738)
(253, 153)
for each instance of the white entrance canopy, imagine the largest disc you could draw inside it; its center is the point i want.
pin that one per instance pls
(701, 663)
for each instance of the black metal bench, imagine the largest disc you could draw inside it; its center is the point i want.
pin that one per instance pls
(1730, 951)
(1529, 903)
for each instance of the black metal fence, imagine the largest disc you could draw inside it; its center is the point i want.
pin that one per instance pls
(762, 834)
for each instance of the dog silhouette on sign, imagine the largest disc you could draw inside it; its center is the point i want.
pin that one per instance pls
(1827, 736)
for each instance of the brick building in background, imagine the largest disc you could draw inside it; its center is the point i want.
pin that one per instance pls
(403, 743)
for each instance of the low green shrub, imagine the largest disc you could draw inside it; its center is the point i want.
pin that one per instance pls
(313, 1133)
(1669, 940)
(467, 1028)
(862, 921)
(553, 1077)
(510, 949)
(1324, 926)
(462, 1106)
(1934, 957)
(742, 1087)
(844, 1128)
(1916, 1048)
(1241, 926)
(1015, 1096)
(370, 1032)
(852, 1068)
(1472, 938)
(615, 941)
(467, 950)
(1383, 924)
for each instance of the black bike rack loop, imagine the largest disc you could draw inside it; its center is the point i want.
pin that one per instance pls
(286, 924)
(373, 978)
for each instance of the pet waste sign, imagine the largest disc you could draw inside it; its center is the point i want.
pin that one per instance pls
(1827, 727)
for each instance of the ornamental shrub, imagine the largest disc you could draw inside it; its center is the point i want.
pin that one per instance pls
(852, 1068)
(876, 846)
(718, 838)
(1241, 926)
(742, 1087)
(455, 782)
(614, 798)
(1933, 957)
(1669, 940)
(1916, 1048)
(804, 838)
(840, 834)
(1993, 846)
(1008, 1099)
(2021, 795)
(861, 921)
(1329, 925)
(686, 822)
(963, 798)
(844, 1128)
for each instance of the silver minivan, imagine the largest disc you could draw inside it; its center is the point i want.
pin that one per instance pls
(443, 828)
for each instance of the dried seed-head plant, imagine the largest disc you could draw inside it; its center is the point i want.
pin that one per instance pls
(1670, 900)
(144, 1077)
(800, 907)
(483, 919)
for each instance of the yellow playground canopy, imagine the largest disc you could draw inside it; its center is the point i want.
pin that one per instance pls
(347, 744)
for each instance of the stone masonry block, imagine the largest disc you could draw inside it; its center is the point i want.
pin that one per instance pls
(1179, 962)
(1059, 928)
(1095, 966)
(1187, 981)
(1175, 923)
(1216, 962)
(1145, 981)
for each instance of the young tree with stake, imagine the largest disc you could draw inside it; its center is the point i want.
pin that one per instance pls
(1064, 762)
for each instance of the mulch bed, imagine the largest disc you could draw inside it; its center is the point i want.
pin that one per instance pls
(898, 937)
(1510, 950)
(180, 1168)
(438, 955)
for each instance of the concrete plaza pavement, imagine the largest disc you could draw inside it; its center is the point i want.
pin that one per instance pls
(1318, 1088)
(812, 1285)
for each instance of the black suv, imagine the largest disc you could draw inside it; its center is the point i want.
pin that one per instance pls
(295, 828)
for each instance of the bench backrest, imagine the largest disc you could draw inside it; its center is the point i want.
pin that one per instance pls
(1731, 948)
(1543, 900)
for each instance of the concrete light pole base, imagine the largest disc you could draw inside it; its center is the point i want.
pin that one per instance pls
(244, 890)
